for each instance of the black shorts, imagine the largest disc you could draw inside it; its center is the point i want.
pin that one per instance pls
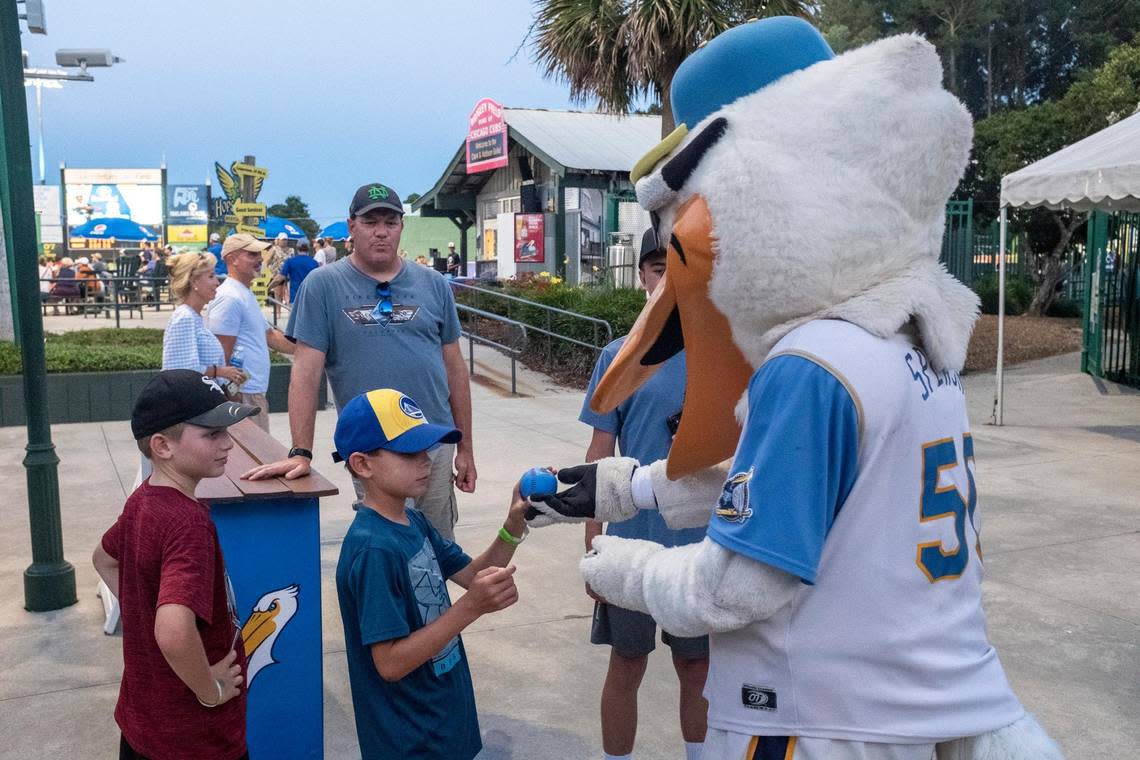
(633, 634)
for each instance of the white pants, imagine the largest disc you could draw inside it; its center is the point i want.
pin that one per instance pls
(725, 745)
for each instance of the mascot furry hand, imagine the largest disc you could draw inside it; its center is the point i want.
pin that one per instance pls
(840, 576)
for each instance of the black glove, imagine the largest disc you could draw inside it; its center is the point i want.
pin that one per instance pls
(576, 502)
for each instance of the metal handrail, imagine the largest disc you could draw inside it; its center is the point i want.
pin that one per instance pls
(113, 288)
(595, 321)
(513, 352)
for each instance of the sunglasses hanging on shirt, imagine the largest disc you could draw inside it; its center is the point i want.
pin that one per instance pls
(383, 310)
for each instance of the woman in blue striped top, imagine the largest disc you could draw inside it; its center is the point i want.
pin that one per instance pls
(187, 343)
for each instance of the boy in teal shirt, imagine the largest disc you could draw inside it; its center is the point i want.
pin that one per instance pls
(411, 687)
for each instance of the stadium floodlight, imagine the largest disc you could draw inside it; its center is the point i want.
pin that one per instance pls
(34, 15)
(85, 58)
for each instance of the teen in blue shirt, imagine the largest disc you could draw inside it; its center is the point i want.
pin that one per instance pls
(642, 427)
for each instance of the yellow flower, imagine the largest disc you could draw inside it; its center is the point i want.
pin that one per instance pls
(555, 280)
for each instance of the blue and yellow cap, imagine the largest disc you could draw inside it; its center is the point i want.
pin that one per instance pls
(386, 419)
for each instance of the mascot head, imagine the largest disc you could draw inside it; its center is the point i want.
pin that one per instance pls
(816, 188)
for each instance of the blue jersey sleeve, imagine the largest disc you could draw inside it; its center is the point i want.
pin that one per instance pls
(609, 422)
(377, 585)
(795, 465)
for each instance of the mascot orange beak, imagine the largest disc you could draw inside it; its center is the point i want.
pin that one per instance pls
(680, 315)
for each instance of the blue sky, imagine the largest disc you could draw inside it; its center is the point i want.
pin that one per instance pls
(327, 94)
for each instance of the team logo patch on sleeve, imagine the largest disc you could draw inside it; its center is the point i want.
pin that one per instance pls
(733, 504)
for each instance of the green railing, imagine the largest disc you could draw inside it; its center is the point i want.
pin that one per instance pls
(1112, 304)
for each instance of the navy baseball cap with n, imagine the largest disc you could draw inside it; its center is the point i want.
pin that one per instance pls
(386, 419)
(373, 196)
(174, 396)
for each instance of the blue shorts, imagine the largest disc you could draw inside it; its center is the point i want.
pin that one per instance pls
(633, 634)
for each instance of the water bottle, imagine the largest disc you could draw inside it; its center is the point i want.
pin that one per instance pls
(233, 388)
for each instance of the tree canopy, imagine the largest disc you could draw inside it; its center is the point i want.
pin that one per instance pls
(617, 53)
(297, 211)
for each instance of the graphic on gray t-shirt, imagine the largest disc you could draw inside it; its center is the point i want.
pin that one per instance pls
(364, 349)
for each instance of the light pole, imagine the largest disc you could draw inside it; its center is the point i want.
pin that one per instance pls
(49, 582)
(30, 80)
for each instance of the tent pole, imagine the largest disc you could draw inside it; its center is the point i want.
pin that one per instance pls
(1000, 380)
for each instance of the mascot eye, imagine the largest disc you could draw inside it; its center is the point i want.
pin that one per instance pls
(681, 167)
(273, 606)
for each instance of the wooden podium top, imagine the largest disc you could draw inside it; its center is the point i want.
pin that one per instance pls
(253, 446)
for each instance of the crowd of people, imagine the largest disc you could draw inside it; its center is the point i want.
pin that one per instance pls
(385, 334)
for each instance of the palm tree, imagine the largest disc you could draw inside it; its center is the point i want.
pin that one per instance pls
(617, 51)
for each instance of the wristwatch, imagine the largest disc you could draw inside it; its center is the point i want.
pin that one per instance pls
(297, 451)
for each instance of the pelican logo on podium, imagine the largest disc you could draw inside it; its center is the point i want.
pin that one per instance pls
(259, 634)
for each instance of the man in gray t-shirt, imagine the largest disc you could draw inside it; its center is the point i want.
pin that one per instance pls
(372, 320)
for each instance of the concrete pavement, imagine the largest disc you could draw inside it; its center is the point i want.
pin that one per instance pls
(1060, 494)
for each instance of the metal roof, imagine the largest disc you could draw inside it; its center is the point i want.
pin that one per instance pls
(566, 141)
(586, 141)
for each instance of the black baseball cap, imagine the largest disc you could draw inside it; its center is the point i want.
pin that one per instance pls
(183, 395)
(373, 196)
(650, 247)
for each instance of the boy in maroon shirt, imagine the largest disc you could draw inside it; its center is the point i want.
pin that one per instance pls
(181, 694)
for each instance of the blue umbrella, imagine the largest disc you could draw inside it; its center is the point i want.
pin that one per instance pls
(275, 225)
(113, 227)
(336, 231)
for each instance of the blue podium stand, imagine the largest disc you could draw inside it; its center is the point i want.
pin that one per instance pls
(270, 536)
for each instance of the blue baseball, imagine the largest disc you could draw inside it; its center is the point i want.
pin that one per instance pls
(537, 482)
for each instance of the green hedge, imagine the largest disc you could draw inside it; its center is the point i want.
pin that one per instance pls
(1019, 293)
(103, 350)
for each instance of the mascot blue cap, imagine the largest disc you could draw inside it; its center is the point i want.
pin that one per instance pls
(735, 63)
(741, 61)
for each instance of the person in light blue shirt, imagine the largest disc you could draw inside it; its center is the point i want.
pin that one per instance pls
(235, 317)
(642, 427)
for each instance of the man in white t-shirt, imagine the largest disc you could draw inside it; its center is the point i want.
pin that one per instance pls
(326, 252)
(235, 317)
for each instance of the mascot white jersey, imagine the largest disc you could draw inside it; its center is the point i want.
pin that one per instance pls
(824, 438)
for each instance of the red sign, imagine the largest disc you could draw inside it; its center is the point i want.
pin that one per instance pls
(530, 239)
(486, 137)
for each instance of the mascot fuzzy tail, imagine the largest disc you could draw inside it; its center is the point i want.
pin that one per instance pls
(805, 211)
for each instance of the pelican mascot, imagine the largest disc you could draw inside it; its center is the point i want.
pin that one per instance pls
(824, 439)
(269, 617)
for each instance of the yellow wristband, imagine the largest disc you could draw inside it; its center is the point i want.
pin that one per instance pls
(506, 537)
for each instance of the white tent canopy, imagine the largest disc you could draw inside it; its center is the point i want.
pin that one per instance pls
(1101, 171)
